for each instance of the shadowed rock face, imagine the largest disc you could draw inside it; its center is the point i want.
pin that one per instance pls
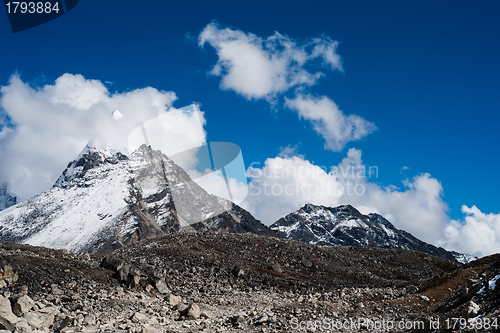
(7, 199)
(345, 225)
(104, 199)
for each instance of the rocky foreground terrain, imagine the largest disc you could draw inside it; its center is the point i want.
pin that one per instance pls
(216, 282)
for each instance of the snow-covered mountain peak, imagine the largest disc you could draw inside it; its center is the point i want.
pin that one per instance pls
(323, 213)
(95, 153)
(105, 199)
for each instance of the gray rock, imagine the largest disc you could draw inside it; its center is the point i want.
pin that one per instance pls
(22, 305)
(112, 262)
(41, 319)
(23, 327)
(8, 320)
(90, 319)
(56, 290)
(173, 300)
(206, 314)
(181, 307)
(122, 272)
(134, 277)
(150, 329)
(193, 311)
(63, 321)
(24, 290)
(277, 268)
(306, 263)
(239, 317)
(162, 287)
(140, 318)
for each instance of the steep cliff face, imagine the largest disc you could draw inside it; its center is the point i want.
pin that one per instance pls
(105, 199)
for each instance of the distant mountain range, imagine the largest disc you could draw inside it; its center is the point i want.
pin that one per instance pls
(345, 225)
(105, 199)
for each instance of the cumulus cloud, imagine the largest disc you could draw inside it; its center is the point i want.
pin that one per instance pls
(285, 183)
(478, 234)
(50, 125)
(329, 121)
(260, 68)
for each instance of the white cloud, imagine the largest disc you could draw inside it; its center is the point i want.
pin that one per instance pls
(260, 68)
(329, 121)
(290, 151)
(284, 184)
(478, 234)
(54, 122)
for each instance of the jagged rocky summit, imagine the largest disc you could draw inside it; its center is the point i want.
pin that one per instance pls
(105, 199)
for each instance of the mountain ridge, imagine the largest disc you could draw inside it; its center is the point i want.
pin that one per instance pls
(345, 225)
(106, 198)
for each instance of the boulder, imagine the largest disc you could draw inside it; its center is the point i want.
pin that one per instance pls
(134, 277)
(191, 311)
(173, 300)
(23, 327)
(41, 319)
(181, 307)
(8, 319)
(162, 287)
(139, 318)
(22, 305)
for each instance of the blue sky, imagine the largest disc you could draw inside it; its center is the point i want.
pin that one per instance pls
(424, 72)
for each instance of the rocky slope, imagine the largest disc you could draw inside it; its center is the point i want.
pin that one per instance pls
(105, 199)
(213, 282)
(344, 225)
